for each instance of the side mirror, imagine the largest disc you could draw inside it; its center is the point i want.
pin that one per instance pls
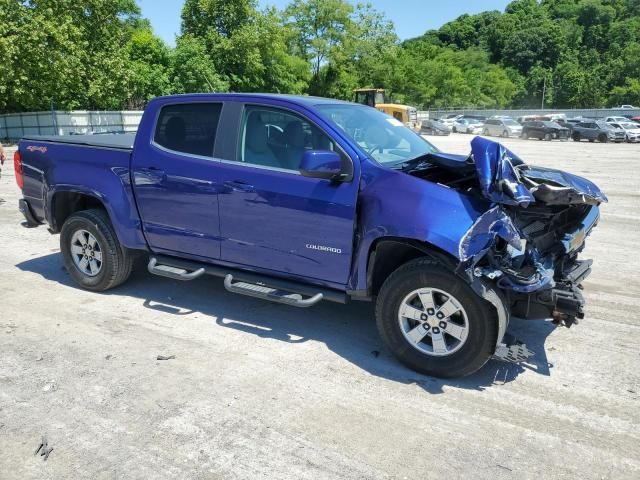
(325, 164)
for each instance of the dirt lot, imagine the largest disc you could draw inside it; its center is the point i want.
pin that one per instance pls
(258, 390)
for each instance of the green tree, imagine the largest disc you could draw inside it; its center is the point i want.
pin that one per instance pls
(149, 62)
(192, 69)
(247, 47)
(72, 54)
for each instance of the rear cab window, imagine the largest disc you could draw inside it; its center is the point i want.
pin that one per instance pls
(188, 128)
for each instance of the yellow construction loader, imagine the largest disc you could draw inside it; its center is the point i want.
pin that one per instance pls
(375, 97)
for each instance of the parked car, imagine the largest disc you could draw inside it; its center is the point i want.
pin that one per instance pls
(468, 125)
(616, 119)
(434, 127)
(345, 204)
(631, 129)
(533, 118)
(545, 131)
(449, 120)
(628, 107)
(504, 127)
(593, 130)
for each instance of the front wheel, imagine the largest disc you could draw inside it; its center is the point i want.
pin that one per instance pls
(603, 138)
(547, 137)
(92, 253)
(576, 137)
(433, 322)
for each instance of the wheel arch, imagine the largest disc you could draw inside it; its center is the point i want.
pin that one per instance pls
(65, 200)
(65, 203)
(387, 254)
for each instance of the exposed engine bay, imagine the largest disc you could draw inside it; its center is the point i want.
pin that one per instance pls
(529, 239)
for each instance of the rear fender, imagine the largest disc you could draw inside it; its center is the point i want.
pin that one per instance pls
(121, 212)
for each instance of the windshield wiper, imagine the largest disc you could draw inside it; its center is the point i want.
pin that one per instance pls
(412, 163)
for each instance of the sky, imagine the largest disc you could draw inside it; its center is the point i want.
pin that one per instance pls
(411, 17)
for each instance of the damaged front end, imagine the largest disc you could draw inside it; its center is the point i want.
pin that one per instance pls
(528, 241)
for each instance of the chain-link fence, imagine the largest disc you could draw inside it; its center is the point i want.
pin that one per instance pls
(14, 126)
(570, 113)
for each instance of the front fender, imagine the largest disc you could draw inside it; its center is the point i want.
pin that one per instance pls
(394, 204)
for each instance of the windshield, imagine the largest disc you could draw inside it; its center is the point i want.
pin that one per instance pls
(381, 136)
(629, 126)
(552, 125)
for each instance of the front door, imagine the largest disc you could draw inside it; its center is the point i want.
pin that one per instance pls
(273, 218)
(176, 181)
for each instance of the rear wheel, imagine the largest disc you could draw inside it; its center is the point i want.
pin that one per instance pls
(548, 137)
(92, 253)
(576, 137)
(433, 322)
(525, 135)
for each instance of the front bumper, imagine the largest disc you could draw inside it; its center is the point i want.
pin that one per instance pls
(564, 303)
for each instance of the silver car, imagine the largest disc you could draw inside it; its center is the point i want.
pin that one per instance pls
(503, 127)
(631, 130)
(468, 125)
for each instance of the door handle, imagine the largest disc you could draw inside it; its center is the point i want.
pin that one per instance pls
(239, 185)
(154, 170)
(148, 176)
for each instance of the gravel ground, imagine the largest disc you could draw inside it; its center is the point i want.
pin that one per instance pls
(258, 390)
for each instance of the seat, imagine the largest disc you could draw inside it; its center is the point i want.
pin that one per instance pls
(257, 149)
(175, 134)
(295, 142)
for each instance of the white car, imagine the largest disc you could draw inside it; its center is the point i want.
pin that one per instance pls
(616, 119)
(502, 126)
(631, 130)
(449, 120)
(468, 125)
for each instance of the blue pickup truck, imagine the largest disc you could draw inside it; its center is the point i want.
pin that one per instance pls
(299, 199)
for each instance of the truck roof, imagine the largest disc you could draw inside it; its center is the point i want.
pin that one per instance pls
(304, 100)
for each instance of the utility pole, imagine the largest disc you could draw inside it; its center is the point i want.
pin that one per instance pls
(544, 90)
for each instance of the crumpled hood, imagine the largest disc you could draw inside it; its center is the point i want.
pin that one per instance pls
(504, 178)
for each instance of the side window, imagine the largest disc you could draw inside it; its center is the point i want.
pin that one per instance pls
(188, 128)
(276, 138)
(397, 116)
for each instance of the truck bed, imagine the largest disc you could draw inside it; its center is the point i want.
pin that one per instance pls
(111, 140)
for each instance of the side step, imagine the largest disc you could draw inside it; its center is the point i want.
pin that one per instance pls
(173, 272)
(271, 294)
(275, 289)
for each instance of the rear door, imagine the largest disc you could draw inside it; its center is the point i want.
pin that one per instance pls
(273, 218)
(175, 181)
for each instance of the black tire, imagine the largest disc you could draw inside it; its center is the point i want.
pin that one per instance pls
(117, 261)
(454, 129)
(547, 137)
(505, 134)
(481, 316)
(576, 137)
(525, 135)
(602, 138)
